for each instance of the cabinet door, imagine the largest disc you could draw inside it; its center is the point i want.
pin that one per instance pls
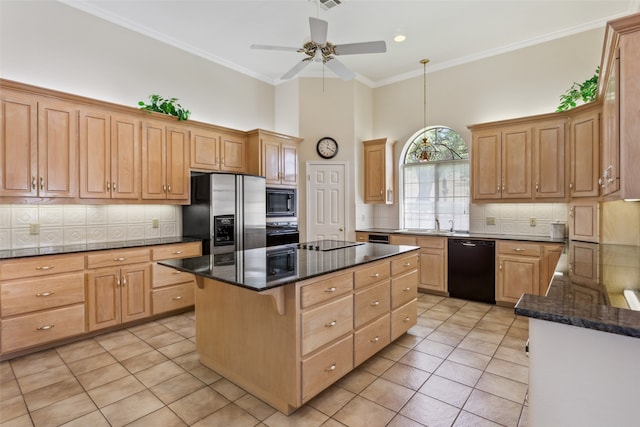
(125, 157)
(177, 163)
(583, 221)
(103, 298)
(549, 158)
(232, 149)
(57, 150)
(610, 175)
(289, 164)
(271, 161)
(136, 298)
(204, 150)
(516, 163)
(585, 157)
(432, 270)
(374, 179)
(18, 145)
(485, 164)
(154, 160)
(95, 155)
(516, 276)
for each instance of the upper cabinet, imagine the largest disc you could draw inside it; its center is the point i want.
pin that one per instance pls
(38, 147)
(378, 171)
(619, 87)
(274, 156)
(214, 151)
(109, 155)
(584, 152)
(549, 155)
(165, 161)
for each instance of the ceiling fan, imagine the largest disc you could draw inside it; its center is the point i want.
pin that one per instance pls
(319, 49)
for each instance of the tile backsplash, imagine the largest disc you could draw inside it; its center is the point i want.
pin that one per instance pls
(26, 226)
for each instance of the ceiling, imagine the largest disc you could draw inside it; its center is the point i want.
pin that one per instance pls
(448, 32)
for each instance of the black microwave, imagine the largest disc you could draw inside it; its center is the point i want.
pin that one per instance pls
(281, 202)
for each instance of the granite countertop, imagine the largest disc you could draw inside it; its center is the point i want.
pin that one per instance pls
(265, 268)
(86, 247)
(461, 234)
(588, 289)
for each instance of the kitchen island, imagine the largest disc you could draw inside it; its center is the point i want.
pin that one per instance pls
(286, 322)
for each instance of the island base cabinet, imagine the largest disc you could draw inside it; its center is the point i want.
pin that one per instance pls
(41, 327)
(371, 339)
(403, 318)
(326, 367)
(172, 298)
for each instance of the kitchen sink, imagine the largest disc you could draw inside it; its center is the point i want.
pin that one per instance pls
(426, 231)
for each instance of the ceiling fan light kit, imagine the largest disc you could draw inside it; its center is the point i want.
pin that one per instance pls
(319, 49)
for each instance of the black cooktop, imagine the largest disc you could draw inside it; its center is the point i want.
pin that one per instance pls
(327, 245)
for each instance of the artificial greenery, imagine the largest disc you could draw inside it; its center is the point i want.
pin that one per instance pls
(166, 106)
(585, 92)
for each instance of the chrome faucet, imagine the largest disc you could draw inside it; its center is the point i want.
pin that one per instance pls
(437, 224)
(451, 228)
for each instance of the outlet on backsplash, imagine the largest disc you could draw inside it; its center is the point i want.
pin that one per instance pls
(34, 229)
(532, 222)
(491, 220)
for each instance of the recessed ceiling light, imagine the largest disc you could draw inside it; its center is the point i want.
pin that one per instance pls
(399, 38)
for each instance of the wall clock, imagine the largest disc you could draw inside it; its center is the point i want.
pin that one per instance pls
(327, 147)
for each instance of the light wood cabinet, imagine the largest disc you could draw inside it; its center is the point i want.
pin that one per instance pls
(274, 156)
(109, 155)
(501, 163)
(433, 264)
(41, 300)
(402, 239)
(378, 171)
(584, 221)
(549, 155)
(362, 236)
(214, 151)
(551, 254)
(583, 263)
(38, 147)
(165, 162)
(172, 289)
(518, 270)
(618, 87)
(584, 153)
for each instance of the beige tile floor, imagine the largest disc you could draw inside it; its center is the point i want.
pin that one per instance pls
(463, 364)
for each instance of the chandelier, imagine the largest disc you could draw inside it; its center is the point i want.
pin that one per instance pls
(425, 149)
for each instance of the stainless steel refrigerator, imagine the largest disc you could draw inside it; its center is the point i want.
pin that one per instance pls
(227, 212)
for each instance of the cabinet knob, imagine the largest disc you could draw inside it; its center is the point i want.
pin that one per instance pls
(117, 281)
(124, 281)
(406, 319)
(177, 298)
(164, 188)
(375, 275)
(407, 289)
(406, 264)
(537, 188)
(113, 186)
(169, 188)
(177, 252)
(120, 258)
(331, 324)
(331, 289)
(571, 185)
(375, 339)
(518, 249)
(331, 368)
(108, 186)
(375, 303)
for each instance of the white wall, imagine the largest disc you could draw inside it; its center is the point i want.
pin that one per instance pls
(52, 45)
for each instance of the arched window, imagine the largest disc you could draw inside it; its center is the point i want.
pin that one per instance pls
(435, 180)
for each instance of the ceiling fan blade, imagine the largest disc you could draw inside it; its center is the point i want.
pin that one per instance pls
(340, 69)
(318, 30)
(364, 47)
(268, 47)
(295, 70)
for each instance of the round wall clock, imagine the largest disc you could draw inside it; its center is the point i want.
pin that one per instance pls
(327, 147)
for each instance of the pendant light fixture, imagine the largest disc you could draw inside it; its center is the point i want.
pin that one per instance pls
(425, 148)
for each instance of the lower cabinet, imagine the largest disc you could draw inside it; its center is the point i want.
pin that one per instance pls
(172, 289)
(433, 264)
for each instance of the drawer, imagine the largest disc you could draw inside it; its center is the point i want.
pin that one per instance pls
(326, 323)
(371, 339)
(404, 318)
(116, 258)
(39, 266)
(374, 273)
(324, 290)
(404, 288)
(519, 248)
(407, 263)
(167, 276)
(432, 242)
(173, 298)
(24, 296)
(179, 250)
(401, 239)
(39, 328)
(326, 367)
(371, 303)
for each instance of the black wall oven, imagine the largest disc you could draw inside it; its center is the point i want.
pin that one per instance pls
(281, 202)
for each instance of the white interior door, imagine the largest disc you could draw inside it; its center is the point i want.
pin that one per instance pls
(326, 201)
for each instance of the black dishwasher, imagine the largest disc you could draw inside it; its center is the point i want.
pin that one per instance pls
(472, 270)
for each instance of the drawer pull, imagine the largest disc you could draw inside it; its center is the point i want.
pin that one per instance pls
(45, 294)
(407, 289)
(518, 249)
(331, 324)
(331, 368)
(176, 272)
(45, 327)
(406, 319)
(375, 303)
(375, 339)
(177, 298)
(331, 289)
(45, 267)
(406, 264)
(120, 258)
(375, 274)
(177, 252)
